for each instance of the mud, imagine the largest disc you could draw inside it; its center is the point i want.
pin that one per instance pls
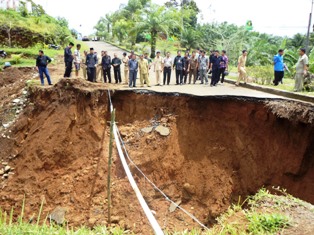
(219, 149)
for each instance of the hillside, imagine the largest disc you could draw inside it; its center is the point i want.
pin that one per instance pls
(20, 29)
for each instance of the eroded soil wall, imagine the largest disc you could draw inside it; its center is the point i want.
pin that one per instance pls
(219, 148)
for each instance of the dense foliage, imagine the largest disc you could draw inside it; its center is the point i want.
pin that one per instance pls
(22, 28)
(142, 21)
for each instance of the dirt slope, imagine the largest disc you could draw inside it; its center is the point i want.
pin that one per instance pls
(218, 149)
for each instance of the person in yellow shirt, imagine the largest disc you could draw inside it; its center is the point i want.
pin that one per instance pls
(241, 68)
(158, 68)
(143, 67)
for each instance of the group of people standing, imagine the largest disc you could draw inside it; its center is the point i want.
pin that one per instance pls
(188, 68)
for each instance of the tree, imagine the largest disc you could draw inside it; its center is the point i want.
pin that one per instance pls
(157, 19)
(191, 38)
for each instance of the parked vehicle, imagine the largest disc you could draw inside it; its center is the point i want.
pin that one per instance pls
(3, 54)
(53, 46)
(85, 38)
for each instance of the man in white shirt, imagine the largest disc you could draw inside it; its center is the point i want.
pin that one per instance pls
(77, 59)
(168, 63)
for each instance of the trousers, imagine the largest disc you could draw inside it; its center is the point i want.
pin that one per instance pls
(167, 75)
(179, 76)
(107, 73)
(42, 71)
(117, 75)
(68, 69)
(132, 78)
(91, 74)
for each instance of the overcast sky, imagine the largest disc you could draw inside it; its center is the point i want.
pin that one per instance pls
(277, 17)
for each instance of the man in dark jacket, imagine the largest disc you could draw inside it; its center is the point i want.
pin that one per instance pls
(68, 60)
(41, 64)
(106, 66)
(116, 62)
(91, 64)
(179, 65)
(215, 68)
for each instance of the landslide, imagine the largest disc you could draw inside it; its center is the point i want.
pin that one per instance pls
(219, 148)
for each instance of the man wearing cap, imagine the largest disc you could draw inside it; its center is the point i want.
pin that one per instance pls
(144, 68)
(68, 60)
(125, 61)
(167, 68)
(91, 64)
(133, 68)
(41, 64)
(158, 67)
(106, 65)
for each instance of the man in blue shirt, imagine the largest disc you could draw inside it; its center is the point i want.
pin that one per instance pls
(133, 68)
(279, 67)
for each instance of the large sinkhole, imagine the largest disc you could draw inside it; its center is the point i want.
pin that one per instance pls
(219, 149)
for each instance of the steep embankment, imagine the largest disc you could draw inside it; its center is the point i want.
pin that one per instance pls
(218, 149)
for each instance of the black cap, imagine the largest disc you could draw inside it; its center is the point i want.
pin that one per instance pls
(91, 48)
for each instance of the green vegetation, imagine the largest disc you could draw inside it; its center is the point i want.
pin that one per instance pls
(21, 28)
(144, 27)
(261, 214)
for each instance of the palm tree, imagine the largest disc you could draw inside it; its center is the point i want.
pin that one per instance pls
(157, 19)
(191, 38)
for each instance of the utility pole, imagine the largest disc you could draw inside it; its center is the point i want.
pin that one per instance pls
(308, 30)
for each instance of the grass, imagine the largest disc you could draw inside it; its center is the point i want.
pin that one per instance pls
(288, 83)
(25, 57)
(260, 214)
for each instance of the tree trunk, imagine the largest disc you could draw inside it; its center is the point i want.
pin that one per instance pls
(153, 43)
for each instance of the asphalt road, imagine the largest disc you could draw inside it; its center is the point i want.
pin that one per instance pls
(197, 89)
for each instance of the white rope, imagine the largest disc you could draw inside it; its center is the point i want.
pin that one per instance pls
(142, 173)
(156, 227)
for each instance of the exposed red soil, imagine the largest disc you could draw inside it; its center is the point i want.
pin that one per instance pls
(221, 148)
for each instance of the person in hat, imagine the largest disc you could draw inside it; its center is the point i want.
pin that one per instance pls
(91, 64)
(158, 68)
(42, 62)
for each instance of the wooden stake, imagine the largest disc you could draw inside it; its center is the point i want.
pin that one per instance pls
(109, 165)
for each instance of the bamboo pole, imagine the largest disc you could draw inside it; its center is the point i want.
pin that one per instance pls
(109, 165)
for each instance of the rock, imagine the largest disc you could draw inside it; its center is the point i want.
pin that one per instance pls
(5, 176)
(1, 171)
(150, 139)
(147, 130)
(115, 219)
(5, 125)
(58, 215)
(163, 131)
(7, 169)
(24, 92)
(189, 188)
(15, 101)
(4, 163)
(174, 206)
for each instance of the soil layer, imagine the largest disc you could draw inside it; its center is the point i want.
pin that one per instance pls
(219, 148)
